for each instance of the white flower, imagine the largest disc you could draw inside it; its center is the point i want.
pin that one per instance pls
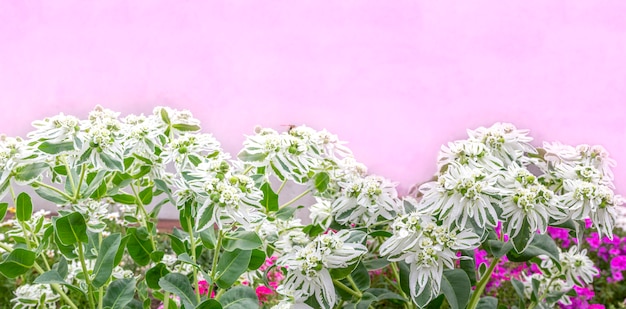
(462, 194)
(321, 212)
(308, 266)
(526, 200)
(548, 285)
(506, 142)
(596, 201)
(468, 152)
(56, 129)
(577, 266)
(364, 200)
(34, 296)
(95, 212)
(428, 248)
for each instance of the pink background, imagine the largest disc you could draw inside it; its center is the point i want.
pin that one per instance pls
(394, 78)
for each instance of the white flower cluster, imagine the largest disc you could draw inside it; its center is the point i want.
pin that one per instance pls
(427, 247)
(576, 268)
(294, 154)
(308, 266)
(34, 296)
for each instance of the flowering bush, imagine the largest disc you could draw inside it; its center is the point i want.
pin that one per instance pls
(243, 241)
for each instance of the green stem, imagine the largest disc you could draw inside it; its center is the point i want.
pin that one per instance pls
(80, 182)
(101, 298)
(81, 256)
(282, 185)
(192, 240)
(248, 169)
(541, 297)
(480, 287)
(166, 300)
(353, 284)
(216, 253)
(344, 287)
(144, 216)
(295, 199)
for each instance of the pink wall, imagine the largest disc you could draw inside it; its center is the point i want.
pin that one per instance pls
(394, 78)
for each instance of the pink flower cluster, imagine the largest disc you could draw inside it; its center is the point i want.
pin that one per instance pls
(274, 277)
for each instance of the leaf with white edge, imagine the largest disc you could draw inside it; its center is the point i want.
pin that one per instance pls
(106, 257)
(523, 238)
(119, 293)
(185, 127)
(251, 157)
(240, 297)
(27, 173)
(205, 216)
(244, 240)
(125, 199)
(51, 195)
(230, 267)
(18, 262)
(71, 229)
(179, 285)
(23, 207)
(361, 277)
(455, 285)
(111, 162)
(164, 116)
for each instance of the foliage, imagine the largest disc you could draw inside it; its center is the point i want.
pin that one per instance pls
(242, 242)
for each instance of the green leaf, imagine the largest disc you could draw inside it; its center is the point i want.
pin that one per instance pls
(468, 265)
(209, 304)
(154, 274)
(523, 238)
(382, 294)
(146, 196)
(321, 182)
(119, 293)
(366, 301)
(23, 207)
(105, 261)
(71, 229)
(340, 273)
(375, 264)
(270, 199)
(230, 266)
(286, 213)
(257, 259)
(52, 148)
(126, 199)
(497, 248)
(177, 245)
(53, 277)
(239, 297)
(455, 285)
(243, 240)
(185, 127)
(26, 173)
(540, 245)
(361, 277)
(51, 195)
(61, 267)
(3, 210)
(519, 289)
(208, 238)
(139, 246)
(165, 116)
(18, 262)
(179, 285)
(487, 302)
(251, 157)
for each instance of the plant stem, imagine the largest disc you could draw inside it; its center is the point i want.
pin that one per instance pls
(144, 216)
(248, 169)
(166, 300)
(192, 240)
(216, 253)
(480, 287)
(295, 199)
(352, 283)
(101, 298)
(80, 182)
(344, 287)
(81, 256)
(282, 185)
